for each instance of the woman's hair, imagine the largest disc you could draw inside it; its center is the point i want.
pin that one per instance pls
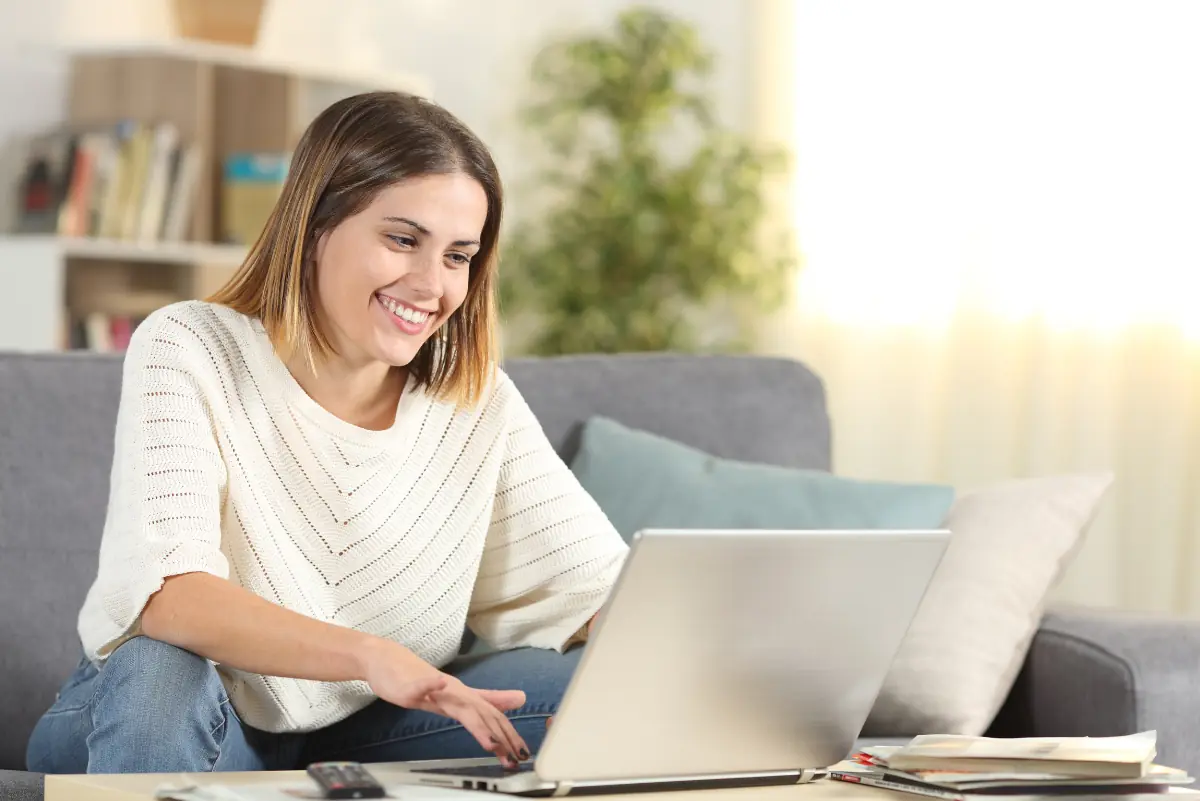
(349, 153)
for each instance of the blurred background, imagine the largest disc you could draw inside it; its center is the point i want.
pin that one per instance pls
(976, 221)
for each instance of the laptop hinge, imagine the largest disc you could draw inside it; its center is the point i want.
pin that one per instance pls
(563, 788)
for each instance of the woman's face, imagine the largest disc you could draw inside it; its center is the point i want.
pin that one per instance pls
(391, 275)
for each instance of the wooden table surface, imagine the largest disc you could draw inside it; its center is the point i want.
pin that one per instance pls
(141, 787)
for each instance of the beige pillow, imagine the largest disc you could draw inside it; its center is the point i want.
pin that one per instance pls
(1009, 545)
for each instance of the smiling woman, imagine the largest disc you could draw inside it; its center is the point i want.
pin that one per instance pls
(390, 199)
(379, 274)
(321, 476)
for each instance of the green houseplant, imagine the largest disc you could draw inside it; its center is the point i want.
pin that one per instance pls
(648, 225)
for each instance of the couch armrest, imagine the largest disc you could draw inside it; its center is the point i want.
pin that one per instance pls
(1092, 672)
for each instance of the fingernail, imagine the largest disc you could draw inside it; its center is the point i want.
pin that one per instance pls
(524, 753)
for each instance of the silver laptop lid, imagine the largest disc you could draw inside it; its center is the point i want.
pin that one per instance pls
(739, 651)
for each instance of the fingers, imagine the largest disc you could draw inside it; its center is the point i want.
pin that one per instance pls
(503, 740)
(515, 742)
(499, 702)
(487, 736)
(504, 700)
(483, 722)
(481, 712)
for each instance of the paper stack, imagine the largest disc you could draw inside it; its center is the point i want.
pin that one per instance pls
(958, 768)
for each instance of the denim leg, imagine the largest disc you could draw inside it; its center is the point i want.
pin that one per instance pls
(58, 743)
(386, 733)
(150, 707)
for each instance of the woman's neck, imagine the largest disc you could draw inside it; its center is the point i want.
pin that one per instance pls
(365, 395)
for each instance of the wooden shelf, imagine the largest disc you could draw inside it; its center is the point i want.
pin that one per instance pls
(246, 58)
(187, 253)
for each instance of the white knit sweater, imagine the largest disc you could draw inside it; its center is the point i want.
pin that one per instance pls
(223, 464)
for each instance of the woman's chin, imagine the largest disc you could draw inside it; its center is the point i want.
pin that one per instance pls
(397, 354)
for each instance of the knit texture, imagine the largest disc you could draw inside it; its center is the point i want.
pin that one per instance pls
(224, 464)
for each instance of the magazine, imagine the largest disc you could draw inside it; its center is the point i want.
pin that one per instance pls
(1126, 757)
(1078, 791)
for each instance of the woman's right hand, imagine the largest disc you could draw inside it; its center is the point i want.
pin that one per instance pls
(481, 712)
(400, 677)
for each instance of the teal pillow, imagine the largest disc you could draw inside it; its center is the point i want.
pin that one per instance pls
(642, 480)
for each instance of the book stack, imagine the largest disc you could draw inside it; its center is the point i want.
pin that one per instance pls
(102, 332)
(131, 181)
(957, 768)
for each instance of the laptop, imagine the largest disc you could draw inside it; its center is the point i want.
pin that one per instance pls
(724, 658)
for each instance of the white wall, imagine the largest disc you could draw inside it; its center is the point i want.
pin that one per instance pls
(32, 84)
(476, 53)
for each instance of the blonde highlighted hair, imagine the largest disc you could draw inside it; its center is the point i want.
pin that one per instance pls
(349, 153)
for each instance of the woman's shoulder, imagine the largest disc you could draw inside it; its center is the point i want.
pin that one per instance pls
(499, 392)
(190, 330)
(504, 400)
(497, 400)
(208, 318)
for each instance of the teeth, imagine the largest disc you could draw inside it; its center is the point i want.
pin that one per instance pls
(403, 312)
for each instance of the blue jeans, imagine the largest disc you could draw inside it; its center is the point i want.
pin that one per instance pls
(152, 707)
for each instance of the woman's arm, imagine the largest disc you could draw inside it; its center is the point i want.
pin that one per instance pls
(221, 621)
(218, 620)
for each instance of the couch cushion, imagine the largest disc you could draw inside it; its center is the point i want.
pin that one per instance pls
(1011, 542)
(19, 786)
(740, 407)
(56, 436)
(642, 480)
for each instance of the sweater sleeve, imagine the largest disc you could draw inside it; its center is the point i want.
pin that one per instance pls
(167, 482)
(551, 555)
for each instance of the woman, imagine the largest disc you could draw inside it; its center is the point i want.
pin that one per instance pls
(321, 477)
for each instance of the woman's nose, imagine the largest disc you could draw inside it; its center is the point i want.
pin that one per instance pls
(427, 278)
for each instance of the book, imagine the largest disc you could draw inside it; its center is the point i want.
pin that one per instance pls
(186, 171)
(1126, 757)
(132, 181)
(101, 331)
(45, 181)
(869, 768)
(1171, 781)
(152, 210)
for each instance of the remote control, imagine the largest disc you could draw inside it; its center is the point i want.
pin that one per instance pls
(345, 780)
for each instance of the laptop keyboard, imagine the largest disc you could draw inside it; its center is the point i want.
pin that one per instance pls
(485, 771)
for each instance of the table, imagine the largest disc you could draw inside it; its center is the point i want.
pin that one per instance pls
(140, 787)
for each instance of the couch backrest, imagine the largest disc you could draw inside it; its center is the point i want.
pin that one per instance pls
(57, 414)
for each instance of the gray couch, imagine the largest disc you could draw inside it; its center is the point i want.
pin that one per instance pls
(1088, 673)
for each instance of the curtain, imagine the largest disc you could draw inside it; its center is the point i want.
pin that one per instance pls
(997, 206)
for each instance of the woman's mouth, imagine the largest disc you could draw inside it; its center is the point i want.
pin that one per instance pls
(408, 319)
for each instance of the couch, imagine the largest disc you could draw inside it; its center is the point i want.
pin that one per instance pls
(1088, 673)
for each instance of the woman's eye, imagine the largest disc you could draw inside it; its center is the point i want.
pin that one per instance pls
(460, 259)
(403, 241)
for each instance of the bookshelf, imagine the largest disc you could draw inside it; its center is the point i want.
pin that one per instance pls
(216, 101)
(46, 281)
(167, 253)
(249, 59)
